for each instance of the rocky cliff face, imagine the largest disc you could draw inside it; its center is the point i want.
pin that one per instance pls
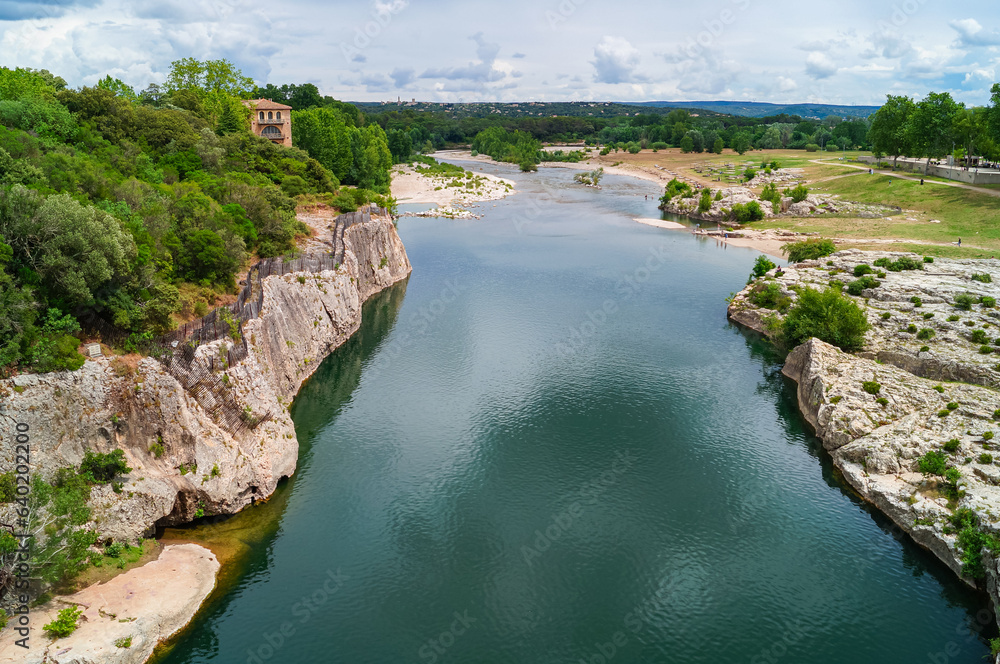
(936, 391)
(185, 463)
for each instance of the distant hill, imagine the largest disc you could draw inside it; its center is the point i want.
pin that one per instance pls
(752, 109)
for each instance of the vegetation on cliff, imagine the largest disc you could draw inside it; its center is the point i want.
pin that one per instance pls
(140, 208)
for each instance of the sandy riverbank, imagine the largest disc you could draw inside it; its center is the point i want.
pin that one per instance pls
(141, 608)
(409, 186)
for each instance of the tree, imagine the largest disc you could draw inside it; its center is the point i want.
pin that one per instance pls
(323, 134)
(888, 132)
(233, 118)
(216, 83)
(718, 146)
(741, 142)
(931, 127)
(687, 144)
(827, 315)
(117, 88)
(400, 145)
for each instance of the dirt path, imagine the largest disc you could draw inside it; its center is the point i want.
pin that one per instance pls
(989, 192)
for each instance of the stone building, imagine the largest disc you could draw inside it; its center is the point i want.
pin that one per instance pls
(271, 120)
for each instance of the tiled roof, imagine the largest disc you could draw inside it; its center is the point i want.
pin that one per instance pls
(267, 105)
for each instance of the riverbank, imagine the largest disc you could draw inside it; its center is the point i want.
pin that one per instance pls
(125, 619)
(923, 387)
(187, 461)
(451, 193)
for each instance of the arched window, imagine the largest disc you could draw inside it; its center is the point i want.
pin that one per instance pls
(262, 115)
(271, 132)
(279, 115)
(270, 115)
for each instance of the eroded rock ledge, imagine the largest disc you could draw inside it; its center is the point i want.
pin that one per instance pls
(934, 389)
(185, 463)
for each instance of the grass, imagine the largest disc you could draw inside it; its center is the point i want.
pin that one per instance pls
(972, 216)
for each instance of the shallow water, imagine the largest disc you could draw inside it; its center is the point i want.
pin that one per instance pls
(549, 446)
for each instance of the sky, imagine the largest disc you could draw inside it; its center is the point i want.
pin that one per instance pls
(843, 52)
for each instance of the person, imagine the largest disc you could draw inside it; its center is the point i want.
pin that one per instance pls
(921, 182)
(960, 242)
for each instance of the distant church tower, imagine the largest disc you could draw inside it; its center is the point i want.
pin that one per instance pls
(271, 120)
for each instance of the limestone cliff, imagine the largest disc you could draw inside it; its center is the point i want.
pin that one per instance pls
(931, 353)
(185, 461)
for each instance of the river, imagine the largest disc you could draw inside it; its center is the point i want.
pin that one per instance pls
(550, 446)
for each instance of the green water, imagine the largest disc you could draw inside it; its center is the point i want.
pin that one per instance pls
(549, 446)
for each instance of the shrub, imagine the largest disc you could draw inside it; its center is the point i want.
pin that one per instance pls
(939, 389)
(964, 301)
(988, 302)
(985, 350)
(761, 266)
(952, 406)
(768, 295)
(705, 204)
(871, 387)
(812, 147)
(925, 334)
(799, 193)
(933, 463)
(979, 337)
(749, 174)
(916, 301)
(953, 318)
(987, 435)
(928, 259)
(808, 250)
(7, 488)
(862, 270)
(156, 449)
(985, 458)
(886, 315)
(857, 287)
(996, 414)
(928, 316)
(944, 413)
(65, 623)
(911, 328)
(924, 349)
(982, 277)
(102, 468)
(882, 401)
(951, 445)
(747, 212)
(123, 642)
(826, 315)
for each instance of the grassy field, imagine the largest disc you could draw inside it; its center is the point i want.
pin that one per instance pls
(962, 213)
(970, 215)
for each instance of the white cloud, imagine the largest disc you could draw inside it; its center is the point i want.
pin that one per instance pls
(615, 60)
(787, 84)
(820, 66)
(971, 33)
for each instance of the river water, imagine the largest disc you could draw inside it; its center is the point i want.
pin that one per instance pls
(550, 446)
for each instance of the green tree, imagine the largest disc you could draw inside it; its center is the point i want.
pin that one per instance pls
(931, 127)
(827, 315)
(889, 133)
(323, 133)
(718, 146)
(741, 142)
(118, 88)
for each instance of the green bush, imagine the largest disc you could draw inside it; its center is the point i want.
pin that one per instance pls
(7, 488)
(988, 302)
(951, 445)
(985, 458)
(933, 463)
(954, 318)
(987, 435)
(979, 337)
(862, 270)
(808, 250)
(749, 174)
(857, 287)
(799, 193)
(939, 389)
(925, 334)
(871, 387)
(928, 259)
(964, 301)
(916, 301)
(761, 266)
(768, 295)
(102, 468)
(982, 277)
(65, 623)
(911, 328)
(952, 406)
(928, 316)
(985, 350)
(747, 212)
(827, 315)
(885, 315)
(924, 349)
